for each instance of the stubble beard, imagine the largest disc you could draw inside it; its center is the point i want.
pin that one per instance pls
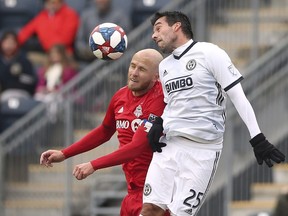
(168, 47)
(142, 88)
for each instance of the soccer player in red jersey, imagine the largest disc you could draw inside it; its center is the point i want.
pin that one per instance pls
(141, 99)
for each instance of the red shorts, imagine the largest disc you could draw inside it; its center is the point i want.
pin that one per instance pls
(132, 204)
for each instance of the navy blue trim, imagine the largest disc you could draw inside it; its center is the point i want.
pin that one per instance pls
(186, 50)
(233, 84)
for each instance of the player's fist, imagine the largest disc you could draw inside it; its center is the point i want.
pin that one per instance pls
(83, 170)
(51, 156)
(154, 134)
(265, 151)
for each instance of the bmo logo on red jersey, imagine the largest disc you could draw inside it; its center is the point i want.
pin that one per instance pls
(125, 124)
(122, 124)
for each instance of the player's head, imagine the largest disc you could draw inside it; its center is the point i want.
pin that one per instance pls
(170, 30)
(143, 71)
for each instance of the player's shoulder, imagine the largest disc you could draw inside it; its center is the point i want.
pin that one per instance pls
(122, 90)
(157, 87)
(120, 93)
(166, 60)
(157, 91)
(210, 50)
(207, 47)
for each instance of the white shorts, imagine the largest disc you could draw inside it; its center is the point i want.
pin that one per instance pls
(180, 176)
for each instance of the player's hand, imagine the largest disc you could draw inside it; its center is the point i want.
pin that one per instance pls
(81, 171)
(154, 134)
(265, 151)
(51, 156)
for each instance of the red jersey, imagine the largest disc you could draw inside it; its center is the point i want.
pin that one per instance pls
(60, 28)
(128, 111)
(124, 114)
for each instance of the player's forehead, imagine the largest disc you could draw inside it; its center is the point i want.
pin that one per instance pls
(141, 61)
(160, 21)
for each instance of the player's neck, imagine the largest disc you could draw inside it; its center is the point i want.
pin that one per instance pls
(181, 42)
(139, 93)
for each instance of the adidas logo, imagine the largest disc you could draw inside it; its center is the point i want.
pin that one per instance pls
(165, 73)
(121, 110)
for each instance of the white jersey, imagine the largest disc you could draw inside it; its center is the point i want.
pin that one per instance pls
(195, 78)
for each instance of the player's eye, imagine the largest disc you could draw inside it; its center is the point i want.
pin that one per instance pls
(158, 28)
(142, 69)
(132, 66)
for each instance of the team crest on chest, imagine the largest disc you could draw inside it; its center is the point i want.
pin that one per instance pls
(138, 111)
(191, 64)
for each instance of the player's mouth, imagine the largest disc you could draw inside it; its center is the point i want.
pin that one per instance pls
(133, 80)
(159, 42)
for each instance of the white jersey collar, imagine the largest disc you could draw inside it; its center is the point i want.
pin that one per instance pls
(180, 51)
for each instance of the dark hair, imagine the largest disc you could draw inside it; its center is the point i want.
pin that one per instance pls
(175, 16)
(7, 34)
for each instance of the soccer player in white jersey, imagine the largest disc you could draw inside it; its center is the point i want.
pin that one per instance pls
(196, 79)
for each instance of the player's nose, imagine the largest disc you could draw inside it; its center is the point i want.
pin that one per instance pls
(134, 71)
(154, 37)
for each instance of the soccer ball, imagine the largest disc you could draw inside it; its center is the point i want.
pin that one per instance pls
(108, 41)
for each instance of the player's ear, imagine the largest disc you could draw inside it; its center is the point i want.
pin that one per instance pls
(176, 26)
(156, 76)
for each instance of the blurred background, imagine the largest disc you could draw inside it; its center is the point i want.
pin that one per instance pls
(253, 32)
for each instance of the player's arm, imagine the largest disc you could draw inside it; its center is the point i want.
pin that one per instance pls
(244, 108)
(96, 137)
(263, 150)
(122, 155)
(127, 152)
(154, 135)
(92, 140)
(157, 106)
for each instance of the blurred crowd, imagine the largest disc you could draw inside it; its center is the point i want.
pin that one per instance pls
(44, 44)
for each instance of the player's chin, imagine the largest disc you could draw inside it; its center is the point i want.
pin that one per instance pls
(133, 85)
(165, 49)
(161, 45)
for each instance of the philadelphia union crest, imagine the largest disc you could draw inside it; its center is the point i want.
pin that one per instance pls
(147, 190)
(191, 64)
